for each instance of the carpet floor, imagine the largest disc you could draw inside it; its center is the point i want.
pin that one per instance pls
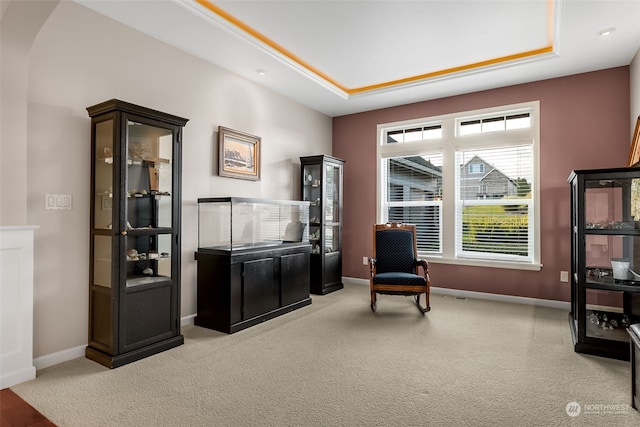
(335, 363)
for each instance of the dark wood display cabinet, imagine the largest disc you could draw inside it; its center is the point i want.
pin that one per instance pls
(134, 274)
(253, 261)
(321, 185)
(605, 254)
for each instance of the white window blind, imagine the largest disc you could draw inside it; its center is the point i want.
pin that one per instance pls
(494, 210)
(414, 196)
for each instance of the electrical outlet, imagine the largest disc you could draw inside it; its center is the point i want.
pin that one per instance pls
(365, 260)
(564, 276)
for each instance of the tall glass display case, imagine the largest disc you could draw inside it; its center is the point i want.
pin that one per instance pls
(134, 283)
(321, 185)
(605, 253)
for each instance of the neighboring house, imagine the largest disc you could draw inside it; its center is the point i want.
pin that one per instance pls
(480, 180)
(415, 178)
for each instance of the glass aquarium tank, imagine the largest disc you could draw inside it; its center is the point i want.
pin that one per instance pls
(237, 223)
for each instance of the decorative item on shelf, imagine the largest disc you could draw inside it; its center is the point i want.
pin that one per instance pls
(609, 321)
(139, 150)
(148, 271)
(599, 272)
(635, 276)
(620, 268)
(154, 178)
(239, 154)
(108, 155)
(132, 255)
(611, 225)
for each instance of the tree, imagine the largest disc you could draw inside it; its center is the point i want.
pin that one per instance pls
(524, 187)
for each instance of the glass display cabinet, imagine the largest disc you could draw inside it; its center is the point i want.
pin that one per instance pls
(134, 284)
(605, 254)
(321, 186)
(253, 261)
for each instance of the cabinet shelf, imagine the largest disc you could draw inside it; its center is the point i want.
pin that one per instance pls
(612, 232)
(145, 231)
(147, 162)
(613, 286)
(147, 280)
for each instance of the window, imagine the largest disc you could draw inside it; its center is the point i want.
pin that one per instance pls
(432, 131)
(414, 195)
(469, 182)
(476, 168)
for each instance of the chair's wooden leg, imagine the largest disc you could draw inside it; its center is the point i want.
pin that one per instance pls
(373, 301)
(422, 309)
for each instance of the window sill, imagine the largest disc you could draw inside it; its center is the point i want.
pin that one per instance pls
(483, 263)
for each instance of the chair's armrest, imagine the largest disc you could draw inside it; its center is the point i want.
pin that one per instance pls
(372, 265)
(424, 264)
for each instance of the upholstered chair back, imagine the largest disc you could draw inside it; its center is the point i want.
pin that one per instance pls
(394, 251)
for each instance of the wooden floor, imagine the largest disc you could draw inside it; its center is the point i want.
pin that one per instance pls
(15, 412)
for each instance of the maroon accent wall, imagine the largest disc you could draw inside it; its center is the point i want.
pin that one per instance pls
(584, 124)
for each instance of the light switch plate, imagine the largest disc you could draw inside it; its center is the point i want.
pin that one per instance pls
(53, 201)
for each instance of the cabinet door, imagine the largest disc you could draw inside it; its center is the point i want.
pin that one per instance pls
(260, 291)
(294, 277)
(147, 234)
(103, 245)
(147, 215)
(312, 192)
(332, 208)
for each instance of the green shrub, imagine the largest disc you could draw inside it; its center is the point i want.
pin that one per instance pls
(494, 229)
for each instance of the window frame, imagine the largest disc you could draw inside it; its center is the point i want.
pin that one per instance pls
(447, 145)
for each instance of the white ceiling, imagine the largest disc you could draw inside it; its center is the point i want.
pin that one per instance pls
(342, 57)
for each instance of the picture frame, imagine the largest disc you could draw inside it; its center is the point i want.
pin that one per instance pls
(239, 154)
(634, 151)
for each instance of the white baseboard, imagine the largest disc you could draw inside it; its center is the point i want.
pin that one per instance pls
(187, 320)
(73, 353)
(59, 357)
(563, 305)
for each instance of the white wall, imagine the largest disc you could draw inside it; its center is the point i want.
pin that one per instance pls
(634, 73)
(81, 58)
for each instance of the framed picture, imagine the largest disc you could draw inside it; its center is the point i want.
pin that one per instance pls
(634, 152)
(239, 154)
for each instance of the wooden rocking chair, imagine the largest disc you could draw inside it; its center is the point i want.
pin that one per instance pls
(395, 267)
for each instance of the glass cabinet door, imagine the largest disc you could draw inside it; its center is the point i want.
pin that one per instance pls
(103, 203)
(148, 204)
(312, 192)
(332, 208)
(103, 170)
